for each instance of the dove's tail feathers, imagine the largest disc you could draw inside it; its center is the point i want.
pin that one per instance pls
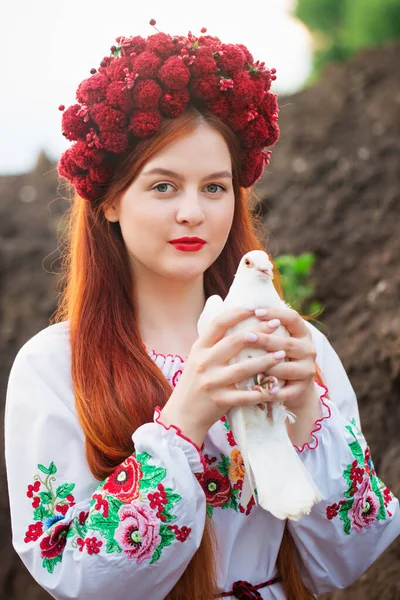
(284, 486)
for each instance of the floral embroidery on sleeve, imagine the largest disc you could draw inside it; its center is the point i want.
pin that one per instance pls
(366, 498)
(50, 505)
(130, 512)
(222, 482)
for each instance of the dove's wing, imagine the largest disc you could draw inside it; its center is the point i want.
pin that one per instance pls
(213, 307)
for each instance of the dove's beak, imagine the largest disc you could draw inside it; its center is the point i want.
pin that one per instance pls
(267, 272)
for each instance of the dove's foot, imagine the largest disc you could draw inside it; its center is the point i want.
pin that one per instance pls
(267, 382)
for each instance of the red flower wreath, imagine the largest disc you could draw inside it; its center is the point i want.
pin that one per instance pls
(146, 80)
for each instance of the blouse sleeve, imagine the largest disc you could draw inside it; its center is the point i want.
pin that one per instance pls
(131, 535)
(358, 517)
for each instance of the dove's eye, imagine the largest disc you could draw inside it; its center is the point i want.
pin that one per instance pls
(248, 263)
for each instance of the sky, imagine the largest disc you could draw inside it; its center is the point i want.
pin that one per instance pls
(49, 47)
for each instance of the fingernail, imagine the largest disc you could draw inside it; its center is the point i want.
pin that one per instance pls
(273, 323)
(279, 354)
(251, 337)
(260, 312)
(275, 390)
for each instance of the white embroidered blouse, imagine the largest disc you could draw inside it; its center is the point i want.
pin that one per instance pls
(131, 536)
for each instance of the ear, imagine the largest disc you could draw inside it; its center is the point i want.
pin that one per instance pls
(111, 213)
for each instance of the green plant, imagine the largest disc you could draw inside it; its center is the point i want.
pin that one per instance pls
(297, 283)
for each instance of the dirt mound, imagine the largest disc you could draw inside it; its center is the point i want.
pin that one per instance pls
(333, 189)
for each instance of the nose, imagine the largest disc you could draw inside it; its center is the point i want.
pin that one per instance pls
(190, 209)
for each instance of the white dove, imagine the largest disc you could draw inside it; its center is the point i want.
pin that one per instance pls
(272, 467)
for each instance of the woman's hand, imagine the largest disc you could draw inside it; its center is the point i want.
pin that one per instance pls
(299, 370)
(299, 394)
(206, 389)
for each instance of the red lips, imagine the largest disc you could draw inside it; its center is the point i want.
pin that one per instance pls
(188, 240)
(188, 244)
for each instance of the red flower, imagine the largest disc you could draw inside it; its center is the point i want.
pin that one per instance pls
(34, 532)
(174, 103)
(243, 90)
(107, 118)
(101, 503)
(62, 508)
(237, 120)
(252, 166)
(73, 124)
(36, 502)
(216, 486)
(146, 64)
(161, 44)
(220, 107)
(101, 173)
(231, 439)
(232, 59)
(248, 55)
(33, 488)
(53, 545)
(123, 483)
(174, 73)
(269, 105)
(84, 156)
(146, 94)
(131, 44)
(83, 517)
(93, 545)
(205, 88)
(115, 71)
(119, 96)
(93, 89)
(204, 63)
(86, 188)
(255, 133)
(114, 141)
(145, 123)
(181, 534)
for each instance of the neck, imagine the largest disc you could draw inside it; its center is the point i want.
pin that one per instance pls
(168, 312)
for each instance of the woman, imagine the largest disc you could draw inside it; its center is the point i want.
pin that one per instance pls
(124, 477)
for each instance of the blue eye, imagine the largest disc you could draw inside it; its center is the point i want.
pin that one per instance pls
(216, 185)
(160, 185)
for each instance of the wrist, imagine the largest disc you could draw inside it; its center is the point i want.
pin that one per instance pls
(170, 417)
(300, 432)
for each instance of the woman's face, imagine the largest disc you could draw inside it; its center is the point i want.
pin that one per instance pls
(189, 201)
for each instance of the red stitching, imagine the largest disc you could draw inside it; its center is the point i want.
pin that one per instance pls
(165, 356)
(178, 432)
(318, 422)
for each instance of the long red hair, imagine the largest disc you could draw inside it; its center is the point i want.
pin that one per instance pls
(116, 383)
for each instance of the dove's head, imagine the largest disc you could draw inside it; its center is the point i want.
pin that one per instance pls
(256, 263)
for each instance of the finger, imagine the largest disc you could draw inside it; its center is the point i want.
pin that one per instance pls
(246, 369)
(295, 348)
(294, 370)
(289, 318)
(290, 393)
(231, 345)
(218, 326)
(242, 397)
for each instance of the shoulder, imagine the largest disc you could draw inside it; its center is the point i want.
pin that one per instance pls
(50, 347)
(50, 341)
(44, 362)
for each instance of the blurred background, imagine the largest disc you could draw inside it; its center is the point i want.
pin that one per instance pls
(330, 198)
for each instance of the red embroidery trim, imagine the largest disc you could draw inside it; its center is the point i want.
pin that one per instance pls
(165, 356)
(178, 432)
(318, 422)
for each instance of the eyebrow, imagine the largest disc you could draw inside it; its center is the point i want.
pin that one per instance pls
(168, 172)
